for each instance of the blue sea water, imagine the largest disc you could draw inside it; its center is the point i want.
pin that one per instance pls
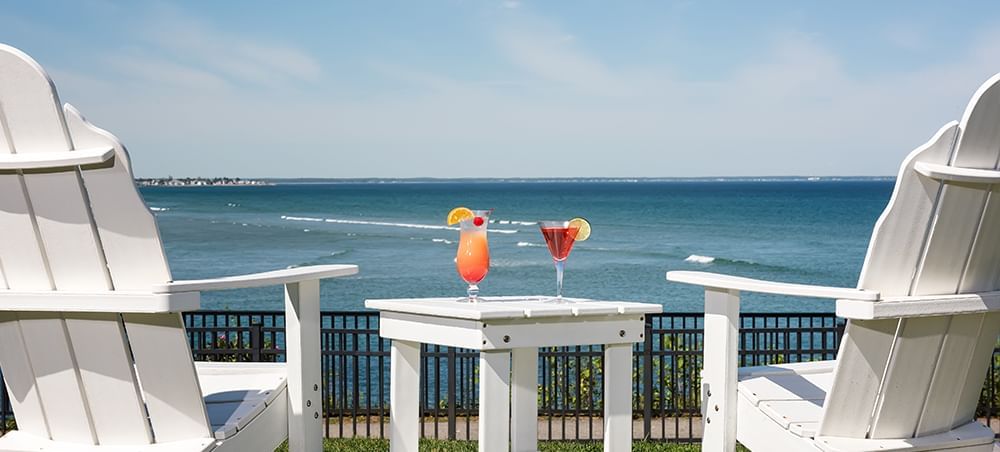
(785, 230)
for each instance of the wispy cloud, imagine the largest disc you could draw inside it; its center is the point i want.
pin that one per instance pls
(554, 55)
(174, 47)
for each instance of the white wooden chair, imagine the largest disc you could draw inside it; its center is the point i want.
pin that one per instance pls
(921, 326)
(92, 346)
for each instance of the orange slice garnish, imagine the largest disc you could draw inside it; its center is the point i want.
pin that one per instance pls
(459, 214)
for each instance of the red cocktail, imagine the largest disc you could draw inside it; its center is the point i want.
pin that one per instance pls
(560, 237)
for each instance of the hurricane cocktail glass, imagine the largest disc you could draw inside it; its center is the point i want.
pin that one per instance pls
(473, 259)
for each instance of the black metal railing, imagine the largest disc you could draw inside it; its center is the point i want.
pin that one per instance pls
(666, 371)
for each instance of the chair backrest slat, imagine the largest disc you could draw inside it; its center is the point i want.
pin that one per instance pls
(64, 225)
(22, 264)
(982, 355)
(57, 377)
(934, 238)
(865, 351)
(920, 338)
(20, 378)
(106, 373)
(942, 404)
(169, 383)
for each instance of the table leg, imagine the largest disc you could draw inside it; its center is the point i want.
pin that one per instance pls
(494, 401)
(404, 396)
(524, 400)
(617, 397)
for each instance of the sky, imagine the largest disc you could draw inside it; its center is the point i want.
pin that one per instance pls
(513, 88)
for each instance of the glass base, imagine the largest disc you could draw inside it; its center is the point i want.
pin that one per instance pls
(472, 300)
(558, 300)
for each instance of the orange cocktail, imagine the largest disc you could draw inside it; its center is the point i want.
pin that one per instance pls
(473, 258)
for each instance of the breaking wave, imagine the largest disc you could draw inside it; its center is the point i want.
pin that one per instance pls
(514, 222)
(699, 259)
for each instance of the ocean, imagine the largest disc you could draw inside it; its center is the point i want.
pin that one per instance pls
(791, 230)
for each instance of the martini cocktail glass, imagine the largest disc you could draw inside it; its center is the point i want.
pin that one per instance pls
(560, 236)
(473, 258)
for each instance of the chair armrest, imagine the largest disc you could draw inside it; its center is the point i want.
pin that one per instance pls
(718, 281)
(271, 278)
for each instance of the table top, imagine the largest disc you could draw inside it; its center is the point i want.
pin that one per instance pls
(510, 307)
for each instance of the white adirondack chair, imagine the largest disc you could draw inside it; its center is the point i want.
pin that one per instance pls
(921, 326)
(92, 346)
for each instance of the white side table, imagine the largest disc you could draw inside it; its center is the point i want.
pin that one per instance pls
(508, 331)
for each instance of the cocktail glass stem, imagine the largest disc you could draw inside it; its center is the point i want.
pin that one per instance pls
(473, 293)
(559, 278)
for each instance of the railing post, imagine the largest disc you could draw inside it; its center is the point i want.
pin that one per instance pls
(647, 378)
(256, 341)
(452, 369)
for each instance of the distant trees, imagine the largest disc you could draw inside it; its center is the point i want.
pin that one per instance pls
(170, 181)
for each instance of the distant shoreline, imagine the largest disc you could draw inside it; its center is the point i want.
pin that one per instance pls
(198, 182)
(225, 181)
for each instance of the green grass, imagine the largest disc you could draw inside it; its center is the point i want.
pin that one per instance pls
(426, 445)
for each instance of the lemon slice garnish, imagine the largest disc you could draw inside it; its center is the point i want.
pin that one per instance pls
(459, 214)
(582, 228)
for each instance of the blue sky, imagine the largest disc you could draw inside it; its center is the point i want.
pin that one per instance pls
(464, 88)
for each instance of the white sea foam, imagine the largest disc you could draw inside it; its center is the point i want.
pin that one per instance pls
(232, 204)
(697, 259)
(385, 223)
(305, 230)
(284, 217)
(445, 241)
(159, 209)
(515, 222)
(529, 244)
